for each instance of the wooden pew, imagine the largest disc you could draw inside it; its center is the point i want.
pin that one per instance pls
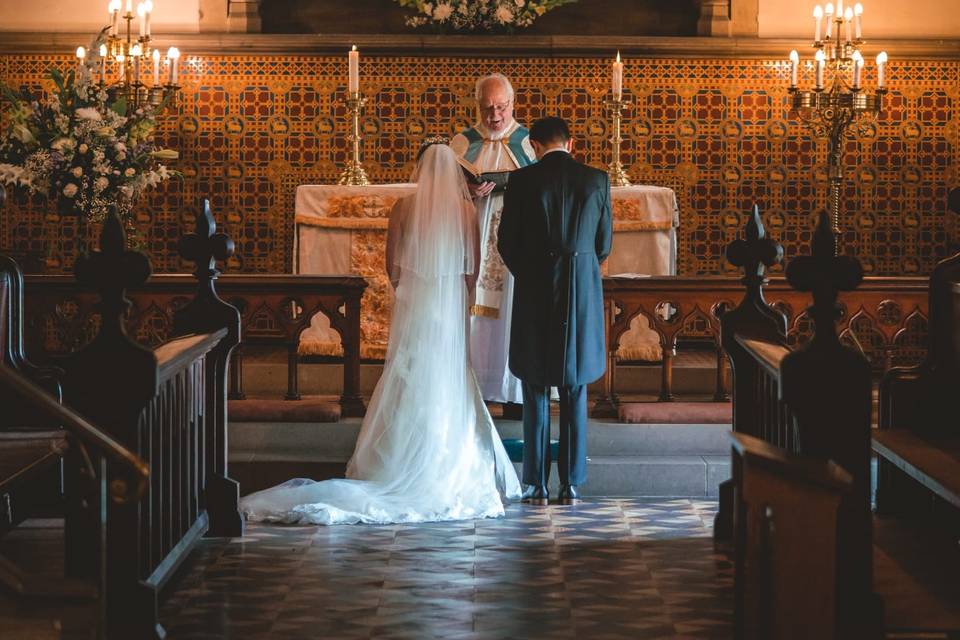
(918, 440)
(790, 512)
(168, 406)
(813, 401)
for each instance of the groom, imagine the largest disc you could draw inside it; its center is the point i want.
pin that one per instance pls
(555, 230)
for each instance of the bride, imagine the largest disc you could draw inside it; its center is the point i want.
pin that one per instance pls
(428, 449)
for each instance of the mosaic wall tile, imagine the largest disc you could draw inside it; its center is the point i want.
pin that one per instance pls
(250, 128)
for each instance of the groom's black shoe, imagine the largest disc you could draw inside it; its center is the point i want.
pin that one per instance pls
(537, 495)
(569, 494)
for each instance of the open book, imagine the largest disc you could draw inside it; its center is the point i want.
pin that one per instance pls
(473, 174)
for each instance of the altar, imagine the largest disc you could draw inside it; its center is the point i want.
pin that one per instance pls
(342, 230)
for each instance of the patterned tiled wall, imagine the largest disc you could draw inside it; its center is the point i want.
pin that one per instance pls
(721, 127)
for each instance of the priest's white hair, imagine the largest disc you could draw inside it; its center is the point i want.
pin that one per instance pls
(499, 77)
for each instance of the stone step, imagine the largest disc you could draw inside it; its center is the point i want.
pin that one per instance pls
(624, 459)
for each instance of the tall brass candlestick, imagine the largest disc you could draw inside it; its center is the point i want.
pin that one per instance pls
(618, 177)
(354, 173)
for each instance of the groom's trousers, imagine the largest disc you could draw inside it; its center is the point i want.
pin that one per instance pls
(572, 462)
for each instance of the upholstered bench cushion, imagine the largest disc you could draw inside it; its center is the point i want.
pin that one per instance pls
(514, 447)
(676, 412)
(272, 410)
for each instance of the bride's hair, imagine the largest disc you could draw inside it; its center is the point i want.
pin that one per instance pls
(430, 141)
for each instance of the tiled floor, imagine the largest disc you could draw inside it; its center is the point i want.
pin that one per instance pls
(608, 568)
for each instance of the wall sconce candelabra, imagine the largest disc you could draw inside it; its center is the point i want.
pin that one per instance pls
(838, 104)
(132, 56)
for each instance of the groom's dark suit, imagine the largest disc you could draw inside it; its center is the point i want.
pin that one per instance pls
(555, 230)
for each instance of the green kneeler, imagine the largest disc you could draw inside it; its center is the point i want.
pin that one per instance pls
(514, 447)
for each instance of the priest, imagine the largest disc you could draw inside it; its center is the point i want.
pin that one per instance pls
(496, 144)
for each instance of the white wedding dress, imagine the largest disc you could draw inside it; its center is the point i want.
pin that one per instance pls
(428, 449)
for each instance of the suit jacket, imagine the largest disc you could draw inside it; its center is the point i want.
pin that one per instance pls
(555, 230)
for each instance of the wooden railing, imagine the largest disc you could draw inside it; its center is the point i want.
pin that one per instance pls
(885, 317)
(813, 401)
(275, 310)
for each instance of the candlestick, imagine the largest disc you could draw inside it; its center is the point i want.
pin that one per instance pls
(156, 67)
(818, 16)
(857, 12)
(847, 20)
(148, 11)
(354, 173)
(618, 176)
(828, 14)
(103, 63)
(857, 58)
(794, 64)
(174, 55)
(353, 68)
(617, 78)
(881, 63)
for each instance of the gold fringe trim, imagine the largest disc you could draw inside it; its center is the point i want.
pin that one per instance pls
(373, 351)
(484, 312)
(344, 223)
(642, 225)
(318, 348)
(646, 353)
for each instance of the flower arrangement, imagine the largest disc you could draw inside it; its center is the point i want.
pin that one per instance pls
(80, 145)
(478, 15)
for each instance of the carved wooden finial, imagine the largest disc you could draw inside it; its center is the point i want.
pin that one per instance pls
(755, 253)
(205, 246)
(824, 275)
(111, 270)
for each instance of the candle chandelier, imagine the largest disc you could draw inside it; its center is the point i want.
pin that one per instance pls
(838, 104)
(127, 60)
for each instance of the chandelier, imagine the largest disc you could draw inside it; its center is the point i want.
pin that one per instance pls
(129, 66)
(838, 104)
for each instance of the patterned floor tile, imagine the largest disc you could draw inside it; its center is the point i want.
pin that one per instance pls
(608, 568)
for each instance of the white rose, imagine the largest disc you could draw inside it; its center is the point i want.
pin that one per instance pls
(70, 190)
(101, 183)
(88, 113)
(504, 15)
(130, 172)
(77, 172)
(121, 147)
(83, 148)
(520, 3)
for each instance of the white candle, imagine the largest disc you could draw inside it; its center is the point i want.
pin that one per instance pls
(156, 67)
(617, 78)
(81, 54)
(174, 55)
(847, 22)
(794, 64)
(839, 8)
(103, 63)
(828, 14)
(136, 52)
(129, 7)
(121, 60)
(353, 67)
(114, 9)
(818, 16)
(821, 58)
(857, 12)
(142, 15)
(857, 68)
(148, 10)
(881, 63)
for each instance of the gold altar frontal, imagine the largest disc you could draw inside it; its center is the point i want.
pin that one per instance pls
(342, 229)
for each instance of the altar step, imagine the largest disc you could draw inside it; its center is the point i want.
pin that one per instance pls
(675, 460)
(265, 375)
